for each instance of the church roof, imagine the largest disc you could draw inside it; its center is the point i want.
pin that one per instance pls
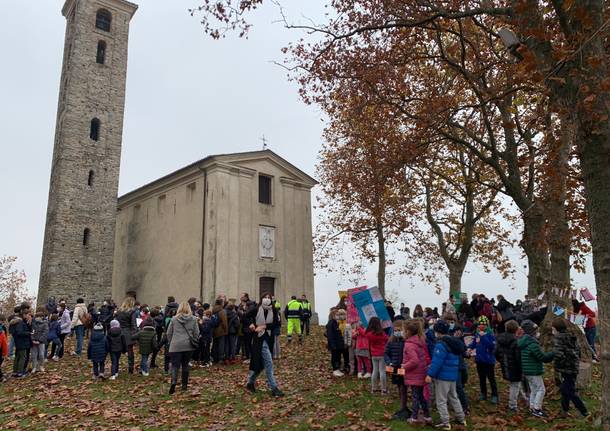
(230, 158)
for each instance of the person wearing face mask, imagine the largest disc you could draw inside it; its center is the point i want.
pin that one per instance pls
(532, 359)
(264, 318)
(393, 359)
(484, 344)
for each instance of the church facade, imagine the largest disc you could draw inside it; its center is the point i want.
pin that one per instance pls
(224, 224)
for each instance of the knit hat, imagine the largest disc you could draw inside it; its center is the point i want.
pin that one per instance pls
(483, 320)
(114, 324)
(441, 327)
(98, 327)
(529, 327)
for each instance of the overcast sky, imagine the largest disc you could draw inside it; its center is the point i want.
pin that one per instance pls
(187, 97)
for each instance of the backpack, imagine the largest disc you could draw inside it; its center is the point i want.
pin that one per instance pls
(86, 319)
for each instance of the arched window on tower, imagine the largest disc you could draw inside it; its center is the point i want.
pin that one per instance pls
(103, 18)
(90, 179)
(94, 133)
(100, 58)
(86, 235)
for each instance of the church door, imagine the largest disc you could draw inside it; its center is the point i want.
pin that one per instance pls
(267, 285)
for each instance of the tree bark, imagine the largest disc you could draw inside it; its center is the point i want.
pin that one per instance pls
(455, 279)
(535, 247)
(381, 259)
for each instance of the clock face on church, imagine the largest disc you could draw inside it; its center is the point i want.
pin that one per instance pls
(267, 241)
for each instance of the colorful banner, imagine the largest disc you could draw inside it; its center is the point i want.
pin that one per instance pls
(352, 311)
(370, 303)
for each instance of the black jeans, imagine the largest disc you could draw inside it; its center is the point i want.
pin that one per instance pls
(181, 360)
(218, 349)
(130, 359)
(568, 393)
(98, 368)
(459, 387)
(486, 372)
(62, 339)
(115, 357)
(19, 365)
(247, 339)
(305, 326)
(335, 359)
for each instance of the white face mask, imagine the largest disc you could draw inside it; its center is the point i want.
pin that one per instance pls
(398, 334)
(266, 301)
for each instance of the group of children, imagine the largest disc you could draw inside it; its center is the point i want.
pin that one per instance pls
(429, 360)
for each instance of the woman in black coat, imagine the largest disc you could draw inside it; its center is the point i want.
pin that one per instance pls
(127, 318)
(265, 318)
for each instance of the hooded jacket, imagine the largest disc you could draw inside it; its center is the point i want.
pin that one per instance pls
(147, 339)
(98, 346)
(446, 359)
(79, 311)
(182, 329)
(116, 341)
(415, 361)
(40, 331)
(333, 336)
(532, 356)
(21, 332)
(485, 348)
(567, 353)
(223, 327)
(509, 357)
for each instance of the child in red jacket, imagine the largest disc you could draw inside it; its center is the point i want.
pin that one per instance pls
(3, 345)
(362, 352)
(377, 341)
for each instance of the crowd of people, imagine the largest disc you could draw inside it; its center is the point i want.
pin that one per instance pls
(188, 334)
(426, 354)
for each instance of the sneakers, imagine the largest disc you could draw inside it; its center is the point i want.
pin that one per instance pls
(172, 389)
(428, 420)
(443, 426)
(113, 377)
(145, 373)
(494, 399)
(277, 393)
(338, 373)
(401, 414)
(360, 375)
(251, 387)
(413, 421)
(539, 414)
(367, 376)
(55, 358)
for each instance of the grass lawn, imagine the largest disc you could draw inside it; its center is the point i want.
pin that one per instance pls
(66, 397)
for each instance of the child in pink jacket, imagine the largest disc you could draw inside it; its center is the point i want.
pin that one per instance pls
(415, 361)
(363, 356)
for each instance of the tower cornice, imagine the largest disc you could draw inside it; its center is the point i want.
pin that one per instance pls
(123, 5)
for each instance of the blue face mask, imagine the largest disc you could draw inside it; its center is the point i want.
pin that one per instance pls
(398, 334)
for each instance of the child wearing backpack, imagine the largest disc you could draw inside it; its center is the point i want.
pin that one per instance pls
(97, 350)
(147, 343)
(567, 357)
(117, 346)
(532, 359)
(443, 373)
(509, 357)
(54, 336)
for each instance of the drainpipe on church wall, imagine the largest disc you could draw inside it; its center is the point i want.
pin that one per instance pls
(203, 216)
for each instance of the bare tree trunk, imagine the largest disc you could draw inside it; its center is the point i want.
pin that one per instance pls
(535, 247)
(455, 279)
(381, 259)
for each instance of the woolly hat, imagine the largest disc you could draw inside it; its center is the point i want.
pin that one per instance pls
(483, 320)
(98, 327)
(529, 327)
(441, 327)
(114, 324)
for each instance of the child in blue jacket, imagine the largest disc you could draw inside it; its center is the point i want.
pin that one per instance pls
(484, 344)
(443, 373)
(98, 350)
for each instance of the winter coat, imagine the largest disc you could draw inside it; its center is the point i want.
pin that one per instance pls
(393, 352)
(65, 322)
(170, 306)
(223, 325)
(206, 328)
(232, 322)
(509, 357)
(446, 359)
(129, 325)
(532, 356)
(79, 311)
(567, 353)
(583, 309)
(21, 332)
(362, 343)
(485, 348)
(415, 361)
(505, 309)
(105, 315)
(256, 356)
(430, 341)
(182, 329)
(98, 346)
(40, 331)
(3, 342)
(334, 337)
(116, 341)
(147, 340)
(54, 331)
(377, 343)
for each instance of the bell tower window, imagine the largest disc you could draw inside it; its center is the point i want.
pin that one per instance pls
(100, 57)
(90, 179)
(86, 235)
(103, 18)
(94, 133)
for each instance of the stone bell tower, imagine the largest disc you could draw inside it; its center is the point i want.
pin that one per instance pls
(81, 213)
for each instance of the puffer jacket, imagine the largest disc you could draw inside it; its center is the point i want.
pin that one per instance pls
(116, 341)
(362, 343)
(54, 331)
(532, 356)
(21, 332)
(446, 359)
(509, 357)
(485, 348)
(377, 343)
(415, 361)
(567, 353)
(40, 331)
(334, 337)
(98, 346)
(147, 339)
(393, 352)
(223, 326)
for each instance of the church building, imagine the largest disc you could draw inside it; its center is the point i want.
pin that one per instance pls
(226, 224)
